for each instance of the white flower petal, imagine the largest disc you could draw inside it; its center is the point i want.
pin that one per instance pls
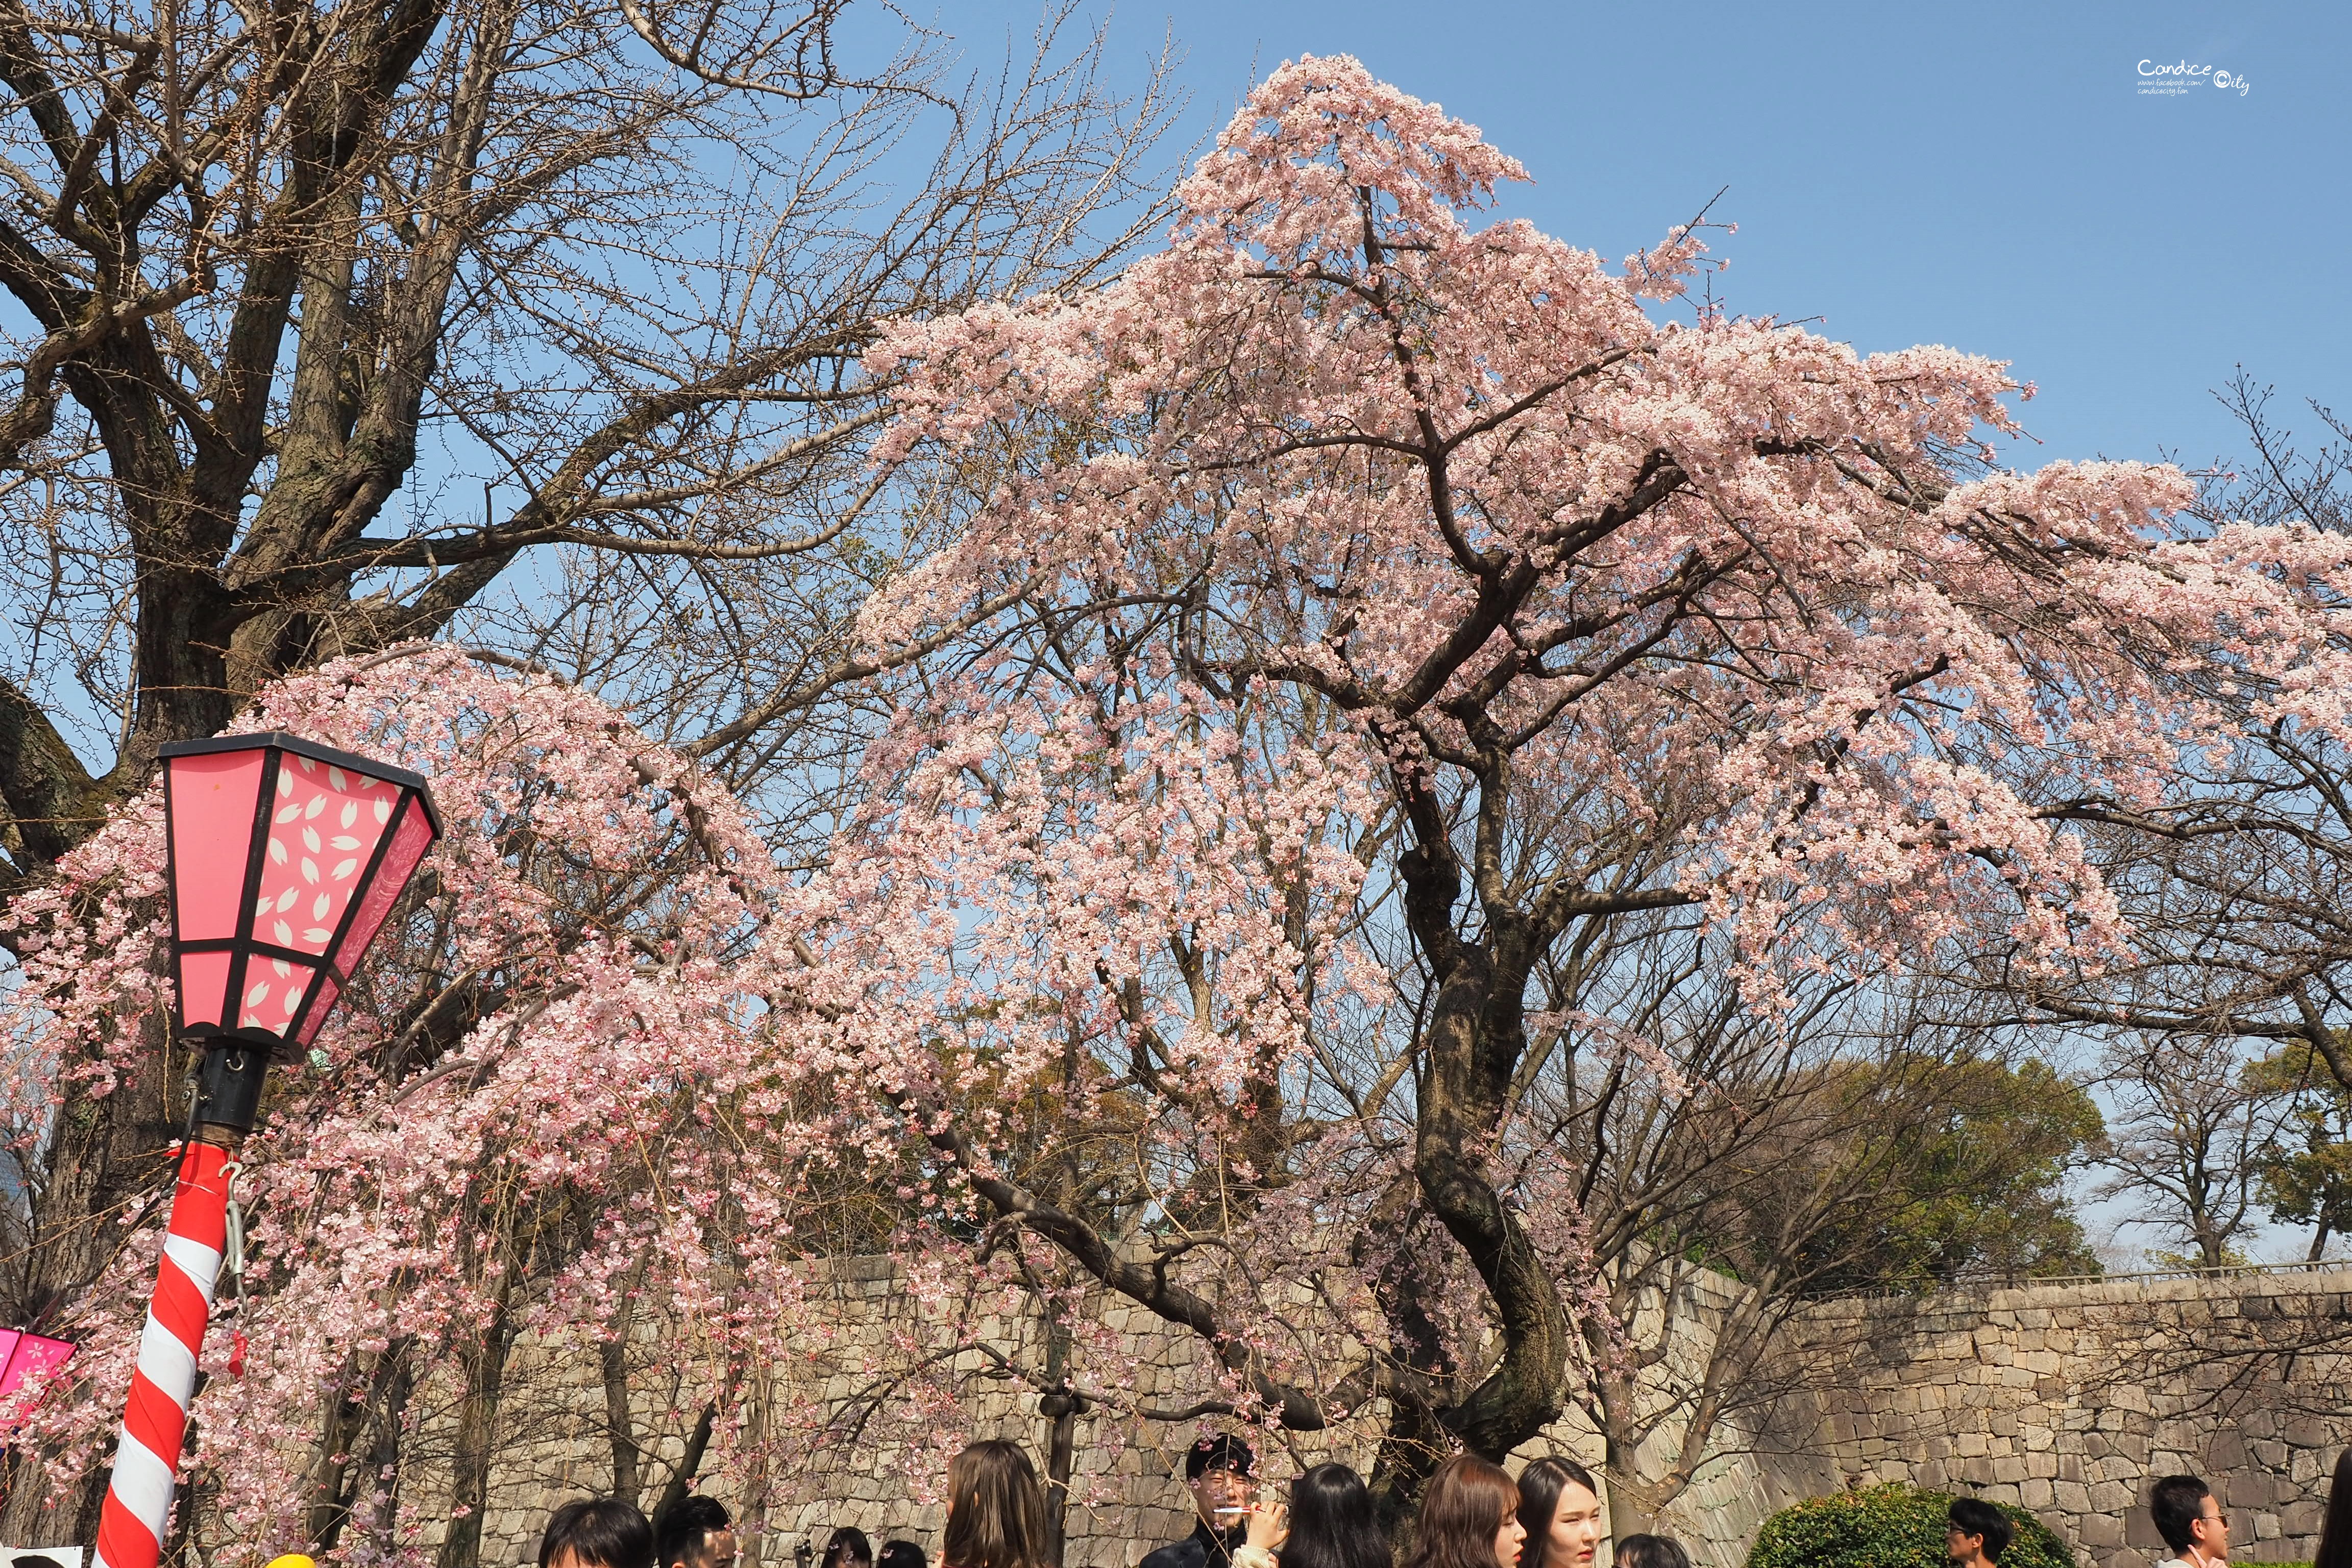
(345, 867)
(309, 869)
(277, 851)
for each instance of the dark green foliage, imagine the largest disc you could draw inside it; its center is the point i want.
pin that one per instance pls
(1974, 1154)
(1892, 1526)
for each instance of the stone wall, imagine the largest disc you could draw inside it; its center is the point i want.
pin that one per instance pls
(2064, 1398)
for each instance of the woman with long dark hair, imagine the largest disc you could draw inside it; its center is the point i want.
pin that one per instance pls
(1560, 1507)
(1469, 1518)
(1329, 1523)
(996, 1513)
(848, 1548)
(2335, 1535)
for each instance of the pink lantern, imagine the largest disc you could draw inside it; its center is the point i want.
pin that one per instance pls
(27, 1359)
(285, 857)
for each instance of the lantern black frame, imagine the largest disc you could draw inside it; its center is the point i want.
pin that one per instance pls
(243, 947)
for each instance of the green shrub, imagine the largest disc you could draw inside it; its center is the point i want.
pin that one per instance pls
(1891, 1526)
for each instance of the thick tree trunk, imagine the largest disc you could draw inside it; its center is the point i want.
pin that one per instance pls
(620, 1422)
(485, 1364)
(1473, 1043)
(1061, 1408)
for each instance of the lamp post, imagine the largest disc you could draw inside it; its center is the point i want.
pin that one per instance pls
(284, 858)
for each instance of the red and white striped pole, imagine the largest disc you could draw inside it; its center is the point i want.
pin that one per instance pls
(138, 1504)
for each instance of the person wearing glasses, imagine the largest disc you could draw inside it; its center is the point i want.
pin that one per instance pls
(1976, 1534)
(1216, 1472)
(2192, 1521)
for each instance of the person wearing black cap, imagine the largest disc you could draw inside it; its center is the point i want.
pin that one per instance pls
(1217, 1470)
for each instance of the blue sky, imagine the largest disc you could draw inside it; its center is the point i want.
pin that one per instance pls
(1989, 176)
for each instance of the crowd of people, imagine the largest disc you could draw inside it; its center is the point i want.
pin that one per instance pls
(1473, 1515)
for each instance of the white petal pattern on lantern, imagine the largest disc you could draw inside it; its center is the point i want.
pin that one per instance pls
(282, 967)
(257, 994)
(324, 806)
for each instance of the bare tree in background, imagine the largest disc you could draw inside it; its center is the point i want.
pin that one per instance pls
(2238, 893)
(339, 324)
(2186, 1143)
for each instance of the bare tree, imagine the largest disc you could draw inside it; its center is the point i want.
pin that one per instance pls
(359, 321)
(2187, 1141)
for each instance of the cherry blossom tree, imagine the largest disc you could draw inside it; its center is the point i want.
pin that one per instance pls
(552, 1107)
(1393, 679)
(1406, 605)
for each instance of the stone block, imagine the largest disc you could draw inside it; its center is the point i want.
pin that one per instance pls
(2098, 1530)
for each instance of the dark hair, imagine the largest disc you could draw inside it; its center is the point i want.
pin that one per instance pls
(34, 1560)
(847, 1546)
(684, 1526)
(1332, 1525)
(899, 1554)
(1223, 1451)
(1653, 1552)
(2176, 1503)
(1541, 1485)
(2335, 1535)
(1461, 1513)
(997, 1515)
(1974, 1516)
(600, 1531)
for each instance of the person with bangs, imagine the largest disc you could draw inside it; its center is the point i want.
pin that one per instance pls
(1560, 1507)
(1469, 1518)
